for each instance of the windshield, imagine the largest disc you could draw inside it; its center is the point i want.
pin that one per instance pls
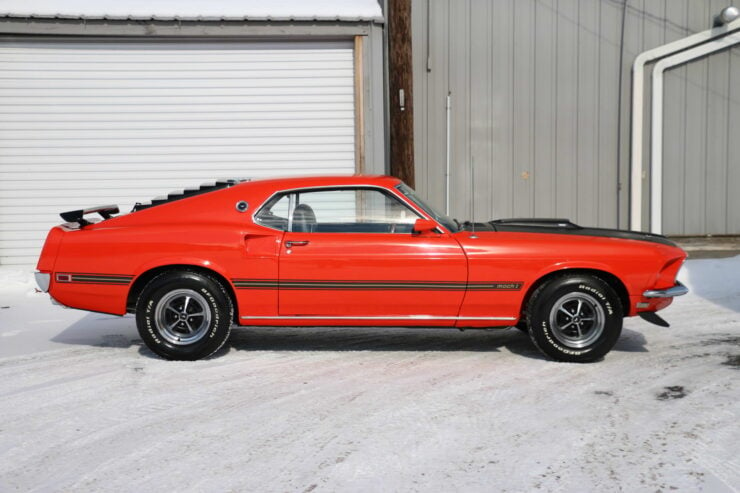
(446, 221)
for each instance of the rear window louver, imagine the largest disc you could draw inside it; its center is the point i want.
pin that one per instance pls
(189, 192)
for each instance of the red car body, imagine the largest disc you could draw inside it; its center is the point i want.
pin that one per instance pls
(437, 278)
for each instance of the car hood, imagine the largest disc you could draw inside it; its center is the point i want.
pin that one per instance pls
(565, 227)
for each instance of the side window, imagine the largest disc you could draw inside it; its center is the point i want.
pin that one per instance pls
(358, 210)
(343, 210)
(275, 213)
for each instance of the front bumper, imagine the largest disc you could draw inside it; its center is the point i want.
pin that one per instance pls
(677, 290)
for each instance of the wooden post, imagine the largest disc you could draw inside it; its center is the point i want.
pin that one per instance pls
(401, 90)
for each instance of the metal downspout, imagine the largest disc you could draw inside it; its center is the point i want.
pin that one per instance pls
(638, 76)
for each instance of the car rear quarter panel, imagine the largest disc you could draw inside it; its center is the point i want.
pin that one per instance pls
(204, 231)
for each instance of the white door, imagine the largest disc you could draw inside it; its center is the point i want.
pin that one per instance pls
(85, 123)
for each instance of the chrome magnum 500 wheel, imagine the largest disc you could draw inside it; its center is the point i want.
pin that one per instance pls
(575, 318)
(184, 315)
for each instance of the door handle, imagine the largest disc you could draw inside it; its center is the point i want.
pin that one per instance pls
(291, 244)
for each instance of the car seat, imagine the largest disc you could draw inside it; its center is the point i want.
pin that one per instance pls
(304, 219)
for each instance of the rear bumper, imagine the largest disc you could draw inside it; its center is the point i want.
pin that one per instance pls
(43, 279)
(677, 290)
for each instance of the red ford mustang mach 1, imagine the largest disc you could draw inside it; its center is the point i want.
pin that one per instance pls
(351, 251)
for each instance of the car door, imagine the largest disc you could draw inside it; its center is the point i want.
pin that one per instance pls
(352, 252)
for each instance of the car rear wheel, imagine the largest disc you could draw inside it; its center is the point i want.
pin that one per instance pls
(184, 315)
(576, 318)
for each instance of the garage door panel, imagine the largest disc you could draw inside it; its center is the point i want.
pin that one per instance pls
(236, 143)
(111, 106)
(148, 48)
(285, 159)
(188, 99)
(180, 114)
(114, 150)
(14, 239)
(256, 125)
(147, 51)
(155, 73)
(277, 68)
(186, 134)
(90, 83)
(84, 124)
(155, 176)
(207, 93)
(16, 258)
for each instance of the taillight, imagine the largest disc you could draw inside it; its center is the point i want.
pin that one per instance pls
(63, 277)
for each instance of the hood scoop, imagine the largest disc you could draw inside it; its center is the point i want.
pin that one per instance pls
(566, 227)
(537, 222)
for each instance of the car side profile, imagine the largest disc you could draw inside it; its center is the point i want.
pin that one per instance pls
(350, 251)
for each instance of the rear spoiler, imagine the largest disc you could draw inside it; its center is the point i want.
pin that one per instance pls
(105, 211)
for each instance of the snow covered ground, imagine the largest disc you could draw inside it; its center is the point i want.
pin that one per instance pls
(85, 407)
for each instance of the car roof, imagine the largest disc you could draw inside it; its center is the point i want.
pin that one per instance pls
(289, 183)
(257, 191)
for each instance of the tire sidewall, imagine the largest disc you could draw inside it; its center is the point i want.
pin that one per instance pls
(217, 302)
(541, 331)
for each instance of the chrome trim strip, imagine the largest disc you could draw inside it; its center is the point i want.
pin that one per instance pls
(291, 210)
(395, 193)
(677, 290)
(399, 317)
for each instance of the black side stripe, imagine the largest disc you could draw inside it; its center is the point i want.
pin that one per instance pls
(375, 285)
(80, 278)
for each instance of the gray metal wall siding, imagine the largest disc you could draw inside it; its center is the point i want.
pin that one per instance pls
(733, 146)
(537, 104)
(375, 116)
(528, 81)
(699, 168)
(701, 152)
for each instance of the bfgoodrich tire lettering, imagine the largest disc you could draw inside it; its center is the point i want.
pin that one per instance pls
(184, 315)
(576, 318)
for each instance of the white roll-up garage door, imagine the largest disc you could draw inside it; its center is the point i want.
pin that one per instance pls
(86, 123)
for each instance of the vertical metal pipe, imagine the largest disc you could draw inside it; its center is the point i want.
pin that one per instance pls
(638, 70)
(472, 189)
(656, 122)
(448, 108)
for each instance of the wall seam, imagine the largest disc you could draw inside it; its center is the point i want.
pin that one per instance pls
(578, 110)
(557, 128)
(727, 143)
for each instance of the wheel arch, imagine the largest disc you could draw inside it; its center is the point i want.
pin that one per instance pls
(143, 279)
(613, 281)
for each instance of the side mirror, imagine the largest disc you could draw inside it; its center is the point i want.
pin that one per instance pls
(424, 226)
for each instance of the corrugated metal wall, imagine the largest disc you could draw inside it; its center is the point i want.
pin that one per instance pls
(701, 146)
(540, 101)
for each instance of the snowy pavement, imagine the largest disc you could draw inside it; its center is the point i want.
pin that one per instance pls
(85, 407)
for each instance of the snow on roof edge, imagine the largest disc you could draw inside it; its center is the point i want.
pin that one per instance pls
(191, 19)
(192, 10)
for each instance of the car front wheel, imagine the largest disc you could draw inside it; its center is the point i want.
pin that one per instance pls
(576, 318)
(184, 315)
